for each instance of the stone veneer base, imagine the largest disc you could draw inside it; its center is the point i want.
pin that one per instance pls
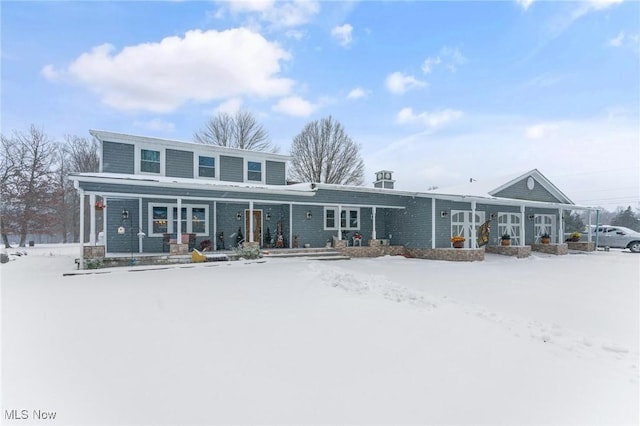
(451, 254)
(92, 252)
(175, 248)
(557, 249)
(582, 245)
(521, 252)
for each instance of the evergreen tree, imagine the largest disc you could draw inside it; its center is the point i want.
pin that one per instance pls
(574, 223)
(627, 218)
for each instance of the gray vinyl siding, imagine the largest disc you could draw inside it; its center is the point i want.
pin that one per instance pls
(118, 158)
(128, 242)
(275, 173)
(179, 163)
(519, 191)
(231, 168)
(410, 227)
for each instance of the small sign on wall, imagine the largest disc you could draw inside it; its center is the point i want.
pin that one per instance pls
(121, 230)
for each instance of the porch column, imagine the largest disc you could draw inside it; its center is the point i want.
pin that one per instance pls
(251, 221)
(215, 225)
(560, 226)
(433, 223)
(522, 227)
(104, 223)
(179, 222)
(339, 219)
(474, 238)
(290, 225)
(92, 219)
(81, 266)
(140, 233)
(589, 227)
(373, 217)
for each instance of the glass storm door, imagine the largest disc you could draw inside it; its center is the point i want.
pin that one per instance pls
(509, 223)
(544, 224)
(461, 225)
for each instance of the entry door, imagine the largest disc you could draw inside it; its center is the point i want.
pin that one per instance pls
(509, 223)
(544, 224)
(461, 225)
(257, 226)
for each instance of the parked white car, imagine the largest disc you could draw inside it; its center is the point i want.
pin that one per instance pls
(618, 237)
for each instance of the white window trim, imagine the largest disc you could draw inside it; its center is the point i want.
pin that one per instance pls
(263, 170)
(138, 159)
(170, 218)
(196, 165)
(338, 218)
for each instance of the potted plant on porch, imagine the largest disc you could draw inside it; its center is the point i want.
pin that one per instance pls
(505, 240)
(575, 237)
(545, 238)
(458, 241)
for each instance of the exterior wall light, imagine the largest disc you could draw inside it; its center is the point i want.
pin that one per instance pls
(444, 213)
(309, 215)
(238, 216)
(125, 214)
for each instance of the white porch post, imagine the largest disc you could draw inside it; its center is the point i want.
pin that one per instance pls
(251, 221)
(373, 215)
(474, 238)
(522, 227)
(81, 266)
(140, 234)
(560, 226)
(104, 223)
(215, 225)
(589, 229)
(433, 223)
(179, 222)
(339, 219)
(92, 219)
(290, 225)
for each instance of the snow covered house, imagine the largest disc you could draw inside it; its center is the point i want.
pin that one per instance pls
(156, 195)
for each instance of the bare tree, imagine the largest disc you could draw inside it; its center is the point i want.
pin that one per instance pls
(323, 152)
(28, 192)
(240, 131)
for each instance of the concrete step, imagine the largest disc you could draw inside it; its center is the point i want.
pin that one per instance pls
(310, 253)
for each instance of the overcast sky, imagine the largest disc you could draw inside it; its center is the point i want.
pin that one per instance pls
(438, 92)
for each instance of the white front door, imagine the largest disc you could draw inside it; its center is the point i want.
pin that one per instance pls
(544, 224)
(461, 225)
(509, 223)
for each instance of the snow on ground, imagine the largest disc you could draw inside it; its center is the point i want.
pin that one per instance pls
(544, 340)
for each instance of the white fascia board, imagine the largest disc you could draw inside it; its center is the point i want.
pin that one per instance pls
(161, 181)
(505, 201)
(103, 135)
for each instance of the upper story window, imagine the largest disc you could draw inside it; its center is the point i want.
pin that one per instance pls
(206, 166)
(149, 161)
(254, 171)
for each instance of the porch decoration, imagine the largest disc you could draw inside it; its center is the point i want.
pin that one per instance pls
(458, 241)
(267, 238)
(575, 237)
(505, 240)
(545, 238)
(100, 205)
(221, 239)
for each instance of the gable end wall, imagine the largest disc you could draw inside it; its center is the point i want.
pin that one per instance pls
(519, 191)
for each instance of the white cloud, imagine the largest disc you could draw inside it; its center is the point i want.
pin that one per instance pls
(430, 120)
(230, 106)
(541, 130)
(49, 72)
(343, 34)
(199, 67)
(525, 4)
(449, 57)
(617, 40)
(357, 93)
(295, 106)
(295, 34)
(399, 83)
(277, 13)
(156, 125)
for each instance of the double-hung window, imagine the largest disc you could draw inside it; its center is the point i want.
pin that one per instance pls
(349, 218)
(163, 219)
(149, 161)
(206, 166)
(254, 171)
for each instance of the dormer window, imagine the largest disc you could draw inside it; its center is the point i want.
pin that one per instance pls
(254, 171)
(149, 161)
(206, 166)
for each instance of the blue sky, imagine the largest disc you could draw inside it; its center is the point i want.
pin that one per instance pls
(439, 92)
